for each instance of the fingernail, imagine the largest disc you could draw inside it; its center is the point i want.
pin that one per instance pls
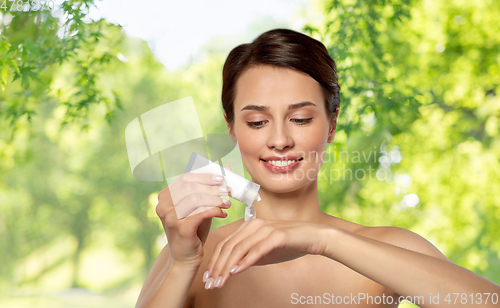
(226, 202)
(217, 178)
(233, 269)
(218, 281)
(224, 189)
(205, 276)
(209, 283)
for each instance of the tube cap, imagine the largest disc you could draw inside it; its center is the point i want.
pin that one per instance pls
(251, 193)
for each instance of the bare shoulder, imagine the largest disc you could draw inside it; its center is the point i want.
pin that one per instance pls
(402, 238)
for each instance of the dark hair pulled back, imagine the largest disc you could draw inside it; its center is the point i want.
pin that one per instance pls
(282, 48)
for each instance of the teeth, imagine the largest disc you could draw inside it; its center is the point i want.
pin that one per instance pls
(281, 163)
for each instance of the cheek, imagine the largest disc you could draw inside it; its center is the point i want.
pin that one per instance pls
(315, 143)
(247, 148)
(249, 142)
(316, 138)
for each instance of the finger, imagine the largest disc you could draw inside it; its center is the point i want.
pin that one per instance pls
(217, 249)
(199, 210)
(259, 250)
(194, 201)
(202, 178)
(192, 222)
(165, 208)
(225, 205)
(228, 168)
(174, 193)
(236, 250)
(197, 188)
(187, 228)
(181, 181)
(206, 183)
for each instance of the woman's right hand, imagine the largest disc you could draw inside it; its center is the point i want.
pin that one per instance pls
(186, 208)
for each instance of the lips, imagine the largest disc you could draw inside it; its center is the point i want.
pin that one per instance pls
(281, 164)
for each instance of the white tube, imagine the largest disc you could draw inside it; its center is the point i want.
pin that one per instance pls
(241, 189)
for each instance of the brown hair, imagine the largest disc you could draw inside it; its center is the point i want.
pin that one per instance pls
(287, 49)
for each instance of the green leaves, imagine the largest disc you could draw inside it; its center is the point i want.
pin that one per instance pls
(422, 76)
(34, 47)
(6, 62)
(420, 114)
(361, 37)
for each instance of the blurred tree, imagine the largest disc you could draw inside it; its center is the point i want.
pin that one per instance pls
(59, 78)
(34, 40)
(419, 94)
(419, 112)
(88, 191)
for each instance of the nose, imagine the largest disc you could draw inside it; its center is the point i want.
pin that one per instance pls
(280, 138)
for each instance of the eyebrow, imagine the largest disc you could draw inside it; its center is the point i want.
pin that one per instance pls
(266, 108)
(300, 105)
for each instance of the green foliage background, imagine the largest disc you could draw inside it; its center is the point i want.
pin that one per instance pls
(420, 81)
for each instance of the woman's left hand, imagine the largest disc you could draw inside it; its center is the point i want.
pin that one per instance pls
(261, 242)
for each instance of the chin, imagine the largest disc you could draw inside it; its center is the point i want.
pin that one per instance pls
(284, 188)
(284, 183)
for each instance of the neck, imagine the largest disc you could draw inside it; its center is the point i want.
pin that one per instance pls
(298, 205)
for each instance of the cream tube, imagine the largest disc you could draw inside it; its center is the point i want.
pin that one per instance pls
(241, 189)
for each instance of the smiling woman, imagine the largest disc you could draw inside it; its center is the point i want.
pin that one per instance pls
(281, 102)
(290, 124)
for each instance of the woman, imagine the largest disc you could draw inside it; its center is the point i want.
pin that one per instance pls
(281, 101)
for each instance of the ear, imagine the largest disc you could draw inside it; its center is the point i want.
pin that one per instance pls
(333, 126)
(230, 131)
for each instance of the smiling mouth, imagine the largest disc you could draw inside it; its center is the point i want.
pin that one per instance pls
(282, 163)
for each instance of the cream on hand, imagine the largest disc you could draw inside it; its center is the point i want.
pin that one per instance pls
(241, 189)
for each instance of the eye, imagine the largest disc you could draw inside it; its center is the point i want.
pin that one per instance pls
(302, 121)
(258, 124)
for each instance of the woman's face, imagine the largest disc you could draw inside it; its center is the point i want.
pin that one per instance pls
(281, 126)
